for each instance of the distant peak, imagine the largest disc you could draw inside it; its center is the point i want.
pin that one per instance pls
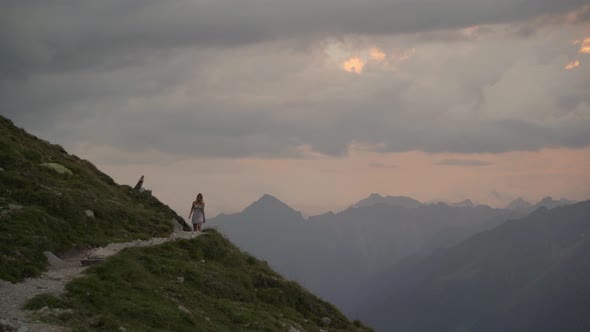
(268, 202)
(464, 203)
(518, 203)
(550, 203)
(376, 198)
(267, 197)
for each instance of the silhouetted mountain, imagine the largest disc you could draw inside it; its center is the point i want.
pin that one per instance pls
(270, 205)
(334, 252)
(530, 274)
(465, 203)
(549, 203)
(375, 199)
(519, 204)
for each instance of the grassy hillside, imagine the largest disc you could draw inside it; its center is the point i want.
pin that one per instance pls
(43, 209)
(204, 284)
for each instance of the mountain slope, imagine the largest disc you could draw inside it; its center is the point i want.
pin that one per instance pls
(525, 275)
(42, 209)
(205, 284)
(50, 200)
(332, 254)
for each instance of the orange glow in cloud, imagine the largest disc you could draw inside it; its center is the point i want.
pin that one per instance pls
(584, 46)
(376, 54)
(572, 65)
(354, 64)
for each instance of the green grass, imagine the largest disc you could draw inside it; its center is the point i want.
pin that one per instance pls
(52, 217)
(224, 289)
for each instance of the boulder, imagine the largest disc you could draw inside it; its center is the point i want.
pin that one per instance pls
(326, 321)
(54, 261)
(184, 309)
(58, 168)
(89, 213)
(180, 225)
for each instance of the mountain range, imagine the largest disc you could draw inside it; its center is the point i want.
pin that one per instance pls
(529, 274)
(333, 253)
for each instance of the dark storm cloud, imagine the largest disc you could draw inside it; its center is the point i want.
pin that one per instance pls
(228, 78)
(66, 35)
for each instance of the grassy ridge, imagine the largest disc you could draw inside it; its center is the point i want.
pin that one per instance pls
(42, 209)
(223, 289)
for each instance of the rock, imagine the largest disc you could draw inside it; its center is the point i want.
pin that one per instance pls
(89, 213)
(23, 329)
(58, 168)
(292, 329)
(1, 169)
(208, 319)
(54, 261)
(14, 207)
(141, 190)
(177, 226)
(326, 321)
(180, 279)
(184, 309)
(122, 329)
(322, 330)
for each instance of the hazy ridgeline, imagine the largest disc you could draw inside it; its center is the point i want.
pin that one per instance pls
(530, 274)
(338, 255)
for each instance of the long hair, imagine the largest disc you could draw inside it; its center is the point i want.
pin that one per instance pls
(200, 198)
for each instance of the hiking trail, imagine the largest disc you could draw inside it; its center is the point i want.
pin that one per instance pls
(53, 281)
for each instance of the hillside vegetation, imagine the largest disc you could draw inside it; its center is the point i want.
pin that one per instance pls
(53, 201)
(204, 284)
(44, 195)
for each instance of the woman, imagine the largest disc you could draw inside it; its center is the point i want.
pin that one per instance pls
(197, 213)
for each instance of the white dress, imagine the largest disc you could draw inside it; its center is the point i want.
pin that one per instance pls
(198, 214)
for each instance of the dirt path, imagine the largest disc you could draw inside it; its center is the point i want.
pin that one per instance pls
(60, 272)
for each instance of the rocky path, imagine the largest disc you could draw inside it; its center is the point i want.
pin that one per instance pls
(60, 272)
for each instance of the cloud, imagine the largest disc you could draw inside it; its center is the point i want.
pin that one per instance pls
(584, 46)
(354, 65)
(113, 34)
(377, 54)
(573, 64)
(224, 80)
(464, 162)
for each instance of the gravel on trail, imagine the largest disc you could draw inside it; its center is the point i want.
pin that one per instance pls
(53, 281)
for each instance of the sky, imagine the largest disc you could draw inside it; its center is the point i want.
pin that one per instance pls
(319, 103)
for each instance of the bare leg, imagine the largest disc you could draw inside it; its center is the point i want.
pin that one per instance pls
(195, 228)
